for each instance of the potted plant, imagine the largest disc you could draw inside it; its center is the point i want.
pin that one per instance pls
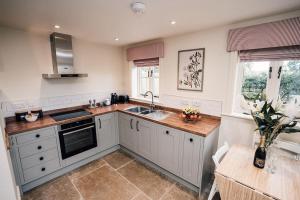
(270, 123)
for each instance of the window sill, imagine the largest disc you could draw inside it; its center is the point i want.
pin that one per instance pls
(144, 100)
(239, 115)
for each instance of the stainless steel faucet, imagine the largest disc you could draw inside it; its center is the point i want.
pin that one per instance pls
(152, 105)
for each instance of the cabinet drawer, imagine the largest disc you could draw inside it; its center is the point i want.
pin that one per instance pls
(41, 170)
(35, 135)
(39, 158)
(37, 147)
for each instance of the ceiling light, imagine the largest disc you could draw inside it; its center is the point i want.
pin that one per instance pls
(57, 26)
(117, 39)
(173, 22)
(138, 7)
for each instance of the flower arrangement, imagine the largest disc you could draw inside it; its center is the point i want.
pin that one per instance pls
(190, 114)
(271, 121)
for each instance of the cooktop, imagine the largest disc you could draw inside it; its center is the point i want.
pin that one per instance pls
(69, 114)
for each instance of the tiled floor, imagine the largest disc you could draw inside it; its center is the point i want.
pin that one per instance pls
(116, 177)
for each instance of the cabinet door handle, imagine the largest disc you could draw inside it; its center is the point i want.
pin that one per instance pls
(42, 158)
(191, 140)
(100, 124)
(131, 123)
(37, 135)
(167, 132)
(39, 147)
(43, 169)
(137, 126)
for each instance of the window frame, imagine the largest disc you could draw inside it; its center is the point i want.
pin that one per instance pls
(150, 82)
(272, 85)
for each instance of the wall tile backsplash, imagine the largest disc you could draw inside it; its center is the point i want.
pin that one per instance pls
(9, 108)
(210, 107)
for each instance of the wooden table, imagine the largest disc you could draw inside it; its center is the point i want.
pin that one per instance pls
(238, 179)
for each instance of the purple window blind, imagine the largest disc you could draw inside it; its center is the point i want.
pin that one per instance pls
(279, 53)
(147, 62)
(268, 35)
(155, 50)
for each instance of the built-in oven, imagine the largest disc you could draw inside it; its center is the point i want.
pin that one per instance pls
(77, 137)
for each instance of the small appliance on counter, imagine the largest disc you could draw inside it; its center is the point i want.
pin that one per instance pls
(106, 102)
(38, 111)
(114, 98)
(123, 99)
(20, 115)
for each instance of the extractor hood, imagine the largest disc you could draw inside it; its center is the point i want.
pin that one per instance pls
(62, 57)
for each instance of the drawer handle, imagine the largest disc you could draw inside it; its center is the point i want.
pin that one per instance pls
(131, 123)
(37, 135)
(191, 140)
(39, 147)
(137, 126)
(42, 158)
(43, 169)
(167, 132)
(100, 124)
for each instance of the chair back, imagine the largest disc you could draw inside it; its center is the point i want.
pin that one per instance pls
(220, 153)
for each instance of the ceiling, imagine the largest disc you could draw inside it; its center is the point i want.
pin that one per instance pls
(103, 20)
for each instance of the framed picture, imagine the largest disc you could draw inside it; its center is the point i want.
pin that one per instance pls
(190, 69)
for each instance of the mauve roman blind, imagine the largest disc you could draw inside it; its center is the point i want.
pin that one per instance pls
(146, 55)
(269, 41)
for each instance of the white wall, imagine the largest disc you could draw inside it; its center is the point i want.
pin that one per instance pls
(7, 182)
(219, 76)
(25, 56)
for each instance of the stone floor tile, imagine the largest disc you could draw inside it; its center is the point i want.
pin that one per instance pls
(117, 159)
(103, 184)
(58, 189)
(88, 168)
(150, 182)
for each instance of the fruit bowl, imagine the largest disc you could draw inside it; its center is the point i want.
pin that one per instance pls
(190, 114)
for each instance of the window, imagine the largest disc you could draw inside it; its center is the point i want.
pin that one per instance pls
(148, 80)
(277, 80)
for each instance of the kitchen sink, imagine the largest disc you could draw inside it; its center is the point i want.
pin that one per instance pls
(158, 114)
(138, 109)
(147, 112)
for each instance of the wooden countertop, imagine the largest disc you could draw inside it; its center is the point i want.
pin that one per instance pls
(283, 184)
(203, 127)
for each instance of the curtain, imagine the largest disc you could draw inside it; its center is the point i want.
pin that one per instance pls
(281, 33)
(279, 53)
(149, 51)
(147, 62)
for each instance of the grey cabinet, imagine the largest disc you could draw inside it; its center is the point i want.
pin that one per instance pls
(138, 135)
(127, 129)
(107, 134)
(169, 149)
(192, 153)
(146, 134)
(35, 154)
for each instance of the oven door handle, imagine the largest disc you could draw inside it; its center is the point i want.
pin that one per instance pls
(79, 130)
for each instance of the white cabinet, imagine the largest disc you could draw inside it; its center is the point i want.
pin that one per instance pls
(127, 129)
(192, 152)
(107, 133)
(169, 148)
(138, 135)
(146, 134)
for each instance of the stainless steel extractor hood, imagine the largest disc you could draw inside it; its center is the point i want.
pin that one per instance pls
(62, 57)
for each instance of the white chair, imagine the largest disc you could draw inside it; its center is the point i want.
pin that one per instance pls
(217, 158)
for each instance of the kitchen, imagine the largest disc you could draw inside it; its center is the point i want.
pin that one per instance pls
(87, 84)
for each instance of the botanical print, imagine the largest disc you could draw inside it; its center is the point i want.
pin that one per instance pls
(190, 69)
